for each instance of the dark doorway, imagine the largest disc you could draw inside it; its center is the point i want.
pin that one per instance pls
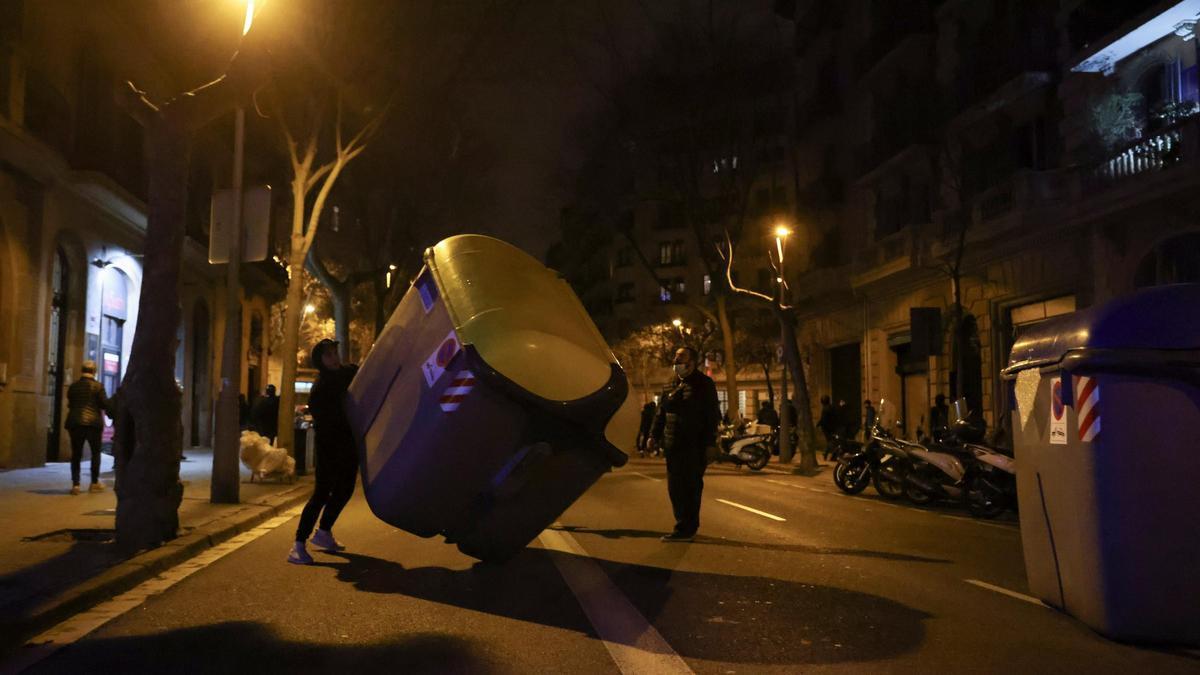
(59, 283)
(845, 380)
(913, 370)
(201, 403)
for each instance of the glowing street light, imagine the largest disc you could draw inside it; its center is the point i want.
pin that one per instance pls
(249, 17)
(781, 235)
(310, 308)
(676, 322)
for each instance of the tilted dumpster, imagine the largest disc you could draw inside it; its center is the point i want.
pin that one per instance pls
(489, 403)
(1105, 424)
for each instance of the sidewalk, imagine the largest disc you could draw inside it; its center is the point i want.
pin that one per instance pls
(57, 554)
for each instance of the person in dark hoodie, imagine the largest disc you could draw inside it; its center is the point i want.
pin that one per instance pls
(337, 454)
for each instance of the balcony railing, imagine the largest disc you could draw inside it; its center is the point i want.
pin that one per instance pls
(1156, 152)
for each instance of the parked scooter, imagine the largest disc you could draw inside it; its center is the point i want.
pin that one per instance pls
(748, 445)
(891, 456)
(991, 484)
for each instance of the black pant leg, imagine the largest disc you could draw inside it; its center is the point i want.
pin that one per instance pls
(340, 494)
(77, 438)
(696, 494)
(94, 436)
(685, 485)
(320, 496)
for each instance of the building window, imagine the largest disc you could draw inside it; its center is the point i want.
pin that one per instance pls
(707, 284)
(664, 294)
(670, 252)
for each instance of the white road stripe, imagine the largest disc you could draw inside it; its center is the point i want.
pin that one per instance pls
(656, 480)
(1004, 591)
(80, 625)
(743, 507)
(634, 645)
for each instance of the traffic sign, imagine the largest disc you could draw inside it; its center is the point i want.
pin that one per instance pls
(256, 224)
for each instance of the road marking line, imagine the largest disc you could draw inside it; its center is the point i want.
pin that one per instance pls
(634, 645)
(76, 627)
(1004, 591)
(639, 473)
(779, 482)
(743, 507)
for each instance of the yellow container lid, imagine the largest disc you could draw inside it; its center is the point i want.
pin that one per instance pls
(522, 318)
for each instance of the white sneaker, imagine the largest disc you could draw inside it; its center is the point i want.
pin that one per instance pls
(298, 555)
(323, 539)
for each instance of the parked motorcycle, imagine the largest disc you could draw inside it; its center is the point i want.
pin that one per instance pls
(892, 463)
(745, 446)
(991, 485)
(856, 464)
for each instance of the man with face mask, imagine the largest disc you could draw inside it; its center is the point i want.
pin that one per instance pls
(685, 427)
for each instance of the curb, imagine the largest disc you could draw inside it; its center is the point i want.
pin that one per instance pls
(145, 565)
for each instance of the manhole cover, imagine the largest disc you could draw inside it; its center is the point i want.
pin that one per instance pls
(82, 535)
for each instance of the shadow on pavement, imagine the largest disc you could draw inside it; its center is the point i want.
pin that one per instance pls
(620, 533)
(245, 647)
(706, 616)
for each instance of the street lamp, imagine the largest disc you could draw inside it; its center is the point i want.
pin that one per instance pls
(226, 476)
(310, 308)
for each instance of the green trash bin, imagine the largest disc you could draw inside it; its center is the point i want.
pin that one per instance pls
(1105, 417)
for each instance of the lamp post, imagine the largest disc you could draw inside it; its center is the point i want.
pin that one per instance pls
(226, 476)
(786, 450)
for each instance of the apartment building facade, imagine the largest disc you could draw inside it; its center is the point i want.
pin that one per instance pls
(72, 222)
(1018, 158)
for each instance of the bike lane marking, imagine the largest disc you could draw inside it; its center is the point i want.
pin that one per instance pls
(634, 644)
(743, 507)
(1004, 591)
(639, 473)
(80, 625)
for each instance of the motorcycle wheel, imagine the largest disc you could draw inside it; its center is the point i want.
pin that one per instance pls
(852, 478)
(761, 455)
(983, 499)
(888, 482)
(916, 495)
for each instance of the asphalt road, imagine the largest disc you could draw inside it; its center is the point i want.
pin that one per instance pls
(816, 582)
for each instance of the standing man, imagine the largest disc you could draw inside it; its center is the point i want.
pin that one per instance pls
(265, 416)
(939, 417)
(85, 423)
(685, 427)
(868, 419)
(337, 453)
(828, 424)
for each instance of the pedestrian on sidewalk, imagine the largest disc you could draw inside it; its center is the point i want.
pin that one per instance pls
(265, 415)
(337, 453)
(86, 403)
(685, 427)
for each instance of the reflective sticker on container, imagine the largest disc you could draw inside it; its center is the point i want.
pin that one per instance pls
(1058, 414)
(1087, 407)
(436, 364)
(462, 385)
(428, 290)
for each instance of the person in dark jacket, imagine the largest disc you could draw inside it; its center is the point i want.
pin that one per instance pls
(868, 419)
(685, 427)
(939, 417)
(336, 453)
(829, 425)
(767, 415)
(643, 438)
(86, 402)
(265, 416)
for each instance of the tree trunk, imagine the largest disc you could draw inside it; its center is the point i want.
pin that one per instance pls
(804, 424)
(731, 388)
(339, 296)
(292, 312)
(148, 437)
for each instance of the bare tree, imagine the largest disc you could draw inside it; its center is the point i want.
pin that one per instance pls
(148, 438)
(685, 113)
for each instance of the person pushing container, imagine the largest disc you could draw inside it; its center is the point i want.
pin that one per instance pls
(685, 427)
(337, 453)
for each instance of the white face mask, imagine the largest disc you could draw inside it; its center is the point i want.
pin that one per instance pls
(682, 370)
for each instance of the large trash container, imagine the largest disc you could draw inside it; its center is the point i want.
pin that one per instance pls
(1106, 425)
(489, 403)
